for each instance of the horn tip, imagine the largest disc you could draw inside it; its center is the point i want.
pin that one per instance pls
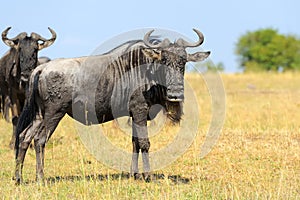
(147, 35)
(196, 30)
(149, 32)
(52, 31)
(7, 29)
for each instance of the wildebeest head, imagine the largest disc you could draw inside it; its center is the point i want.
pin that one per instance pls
(173, 57)
(27, 48)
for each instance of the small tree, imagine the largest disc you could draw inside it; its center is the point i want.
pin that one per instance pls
(267, 50)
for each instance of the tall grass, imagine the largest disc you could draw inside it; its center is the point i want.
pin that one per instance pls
(257, 155)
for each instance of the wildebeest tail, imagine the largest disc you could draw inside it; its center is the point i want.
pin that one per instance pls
(29, 111)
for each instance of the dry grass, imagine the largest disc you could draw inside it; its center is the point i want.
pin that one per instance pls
(256, 157)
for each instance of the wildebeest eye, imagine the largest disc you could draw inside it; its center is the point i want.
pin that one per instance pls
(182, 61)
(181, 69)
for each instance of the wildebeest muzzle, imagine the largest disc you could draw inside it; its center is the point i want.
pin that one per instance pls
(175, 86)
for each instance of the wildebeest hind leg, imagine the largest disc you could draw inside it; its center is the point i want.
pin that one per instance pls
(24, 141)
(39, 153)
(40, 139)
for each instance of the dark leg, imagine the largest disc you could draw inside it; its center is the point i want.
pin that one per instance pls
(24, 141)
(49, 125)
(13, 137)
(135, 157)
(15, 116)
(141, 142)
(144, 145)
(146, 163)
(6, 106)
(40, 153)
(20, 162)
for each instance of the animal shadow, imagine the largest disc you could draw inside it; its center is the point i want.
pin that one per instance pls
(176, 179)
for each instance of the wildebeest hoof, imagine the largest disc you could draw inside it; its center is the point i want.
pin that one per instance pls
(137, 176)
(18, 181)
(40, 182)
(147, 177)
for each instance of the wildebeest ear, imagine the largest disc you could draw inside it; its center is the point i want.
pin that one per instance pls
(152, 53)
(198, 56)
(10, 43)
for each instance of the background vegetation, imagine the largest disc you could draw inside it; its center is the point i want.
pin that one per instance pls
(268, 50)
(256, 157)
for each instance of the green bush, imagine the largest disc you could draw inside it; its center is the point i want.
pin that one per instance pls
(267, 50)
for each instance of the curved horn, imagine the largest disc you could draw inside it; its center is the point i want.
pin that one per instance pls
(183, 43)
(46, 42)
(164, 43)
(12, 42)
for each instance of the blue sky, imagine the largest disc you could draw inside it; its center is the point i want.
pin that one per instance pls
(83, 25)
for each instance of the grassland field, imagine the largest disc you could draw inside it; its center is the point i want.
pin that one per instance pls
(257, 155)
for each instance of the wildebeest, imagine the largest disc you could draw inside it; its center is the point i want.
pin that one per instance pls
(43, 59)
(7, 104)
(15, 69)
(97, 89)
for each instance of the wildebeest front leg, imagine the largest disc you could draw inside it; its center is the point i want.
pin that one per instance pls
(15, 118)
(13, 137)
(135, 155)
(141, 142)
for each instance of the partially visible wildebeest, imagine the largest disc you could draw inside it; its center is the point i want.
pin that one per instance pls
(97, 89)
(43, 59)
(5, 105)
(15, 69)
